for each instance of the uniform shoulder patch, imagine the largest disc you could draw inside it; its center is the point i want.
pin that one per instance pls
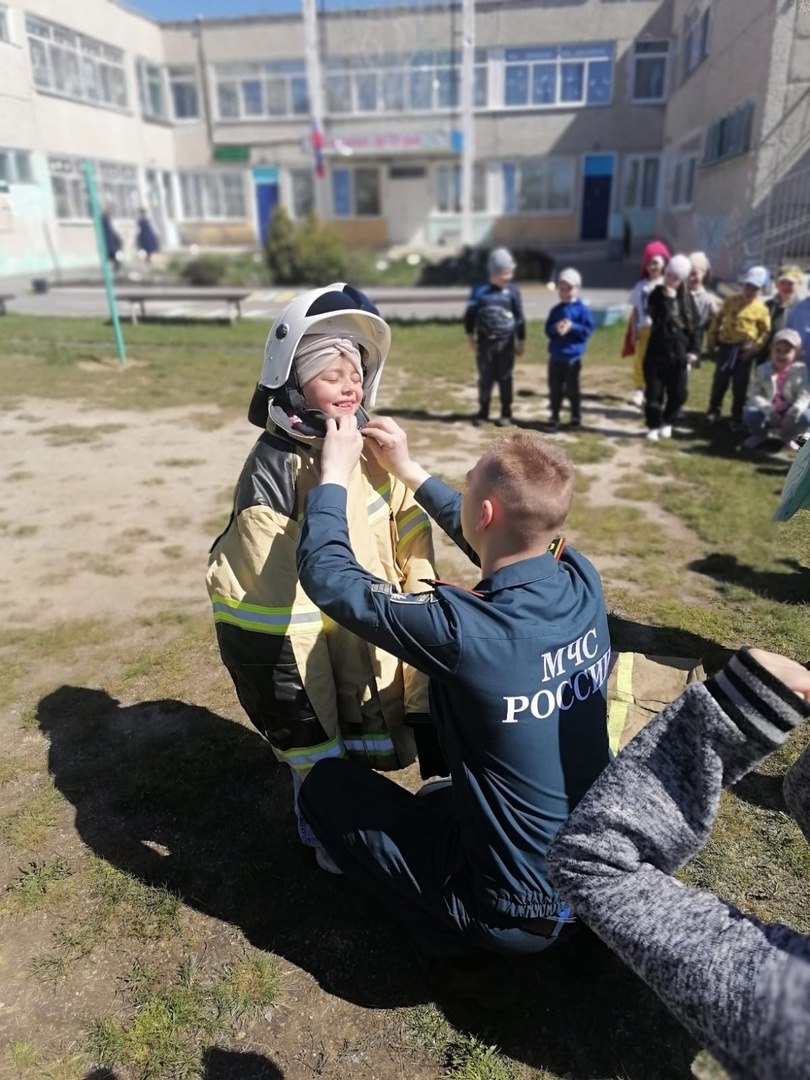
(414, 598)
(382, 586)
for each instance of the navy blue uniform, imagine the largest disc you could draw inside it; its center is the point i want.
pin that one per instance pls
(518, 682)
(494, 316)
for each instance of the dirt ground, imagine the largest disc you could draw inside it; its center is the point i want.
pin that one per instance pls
(107, 517)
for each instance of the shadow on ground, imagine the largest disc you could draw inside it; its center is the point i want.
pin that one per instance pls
(790, 587)
(219, 1065)
(166, 776)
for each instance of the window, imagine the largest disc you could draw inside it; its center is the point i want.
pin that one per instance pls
(448, 189)
(730, 136)
(538, 186)
(554, 76)
(183, 88)
(683, 186)
(695, 41)
(117, 188)
(650, 59)
(152, 90)
(204, 196)
(303, 192)
(15, 167)
(356, 192)
(397, 83)
(641, 183)
(5, 28)
(76, 66)
(267, 88)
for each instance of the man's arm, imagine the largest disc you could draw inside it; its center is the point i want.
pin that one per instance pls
(389, 444)
(741, 987)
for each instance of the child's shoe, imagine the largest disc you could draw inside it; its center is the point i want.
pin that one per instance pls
(504, 421)
(712, 416)
(666, 431)
(654, 434)
(637, 398)
(575, 422)
(480, 419)
(554, 423)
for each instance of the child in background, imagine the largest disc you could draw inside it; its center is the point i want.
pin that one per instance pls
(673, 347)
(655, 258)
(146, 239)
(568, 327)
(779, 400)
(739, 329)
(312, 688)
(707, 303)
(496, 330)
(789, 280)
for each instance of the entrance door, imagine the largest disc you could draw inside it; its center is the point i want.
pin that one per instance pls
(409, 203)
(597, 187)
(266, 183)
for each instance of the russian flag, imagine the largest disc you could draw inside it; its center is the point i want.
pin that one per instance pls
(317, 149)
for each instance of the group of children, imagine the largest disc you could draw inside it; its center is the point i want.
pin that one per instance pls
(673, 314)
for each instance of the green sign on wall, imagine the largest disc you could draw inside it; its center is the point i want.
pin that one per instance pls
(231, 153)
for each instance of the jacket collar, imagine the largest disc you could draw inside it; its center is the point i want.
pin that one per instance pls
(519, 573)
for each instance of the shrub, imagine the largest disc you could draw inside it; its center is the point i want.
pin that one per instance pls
(280, 251)
(204, 270)
(320, 254)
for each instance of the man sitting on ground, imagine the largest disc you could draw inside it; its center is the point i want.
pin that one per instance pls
(518, 677)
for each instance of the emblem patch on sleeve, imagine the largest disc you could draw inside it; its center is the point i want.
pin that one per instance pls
(382, 586)
(413, 598)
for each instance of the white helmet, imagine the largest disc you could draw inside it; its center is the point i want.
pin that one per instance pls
(340, 310)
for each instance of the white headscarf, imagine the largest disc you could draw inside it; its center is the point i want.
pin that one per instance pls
(317, 351)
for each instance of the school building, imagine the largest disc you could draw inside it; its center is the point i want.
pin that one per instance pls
(590, 118)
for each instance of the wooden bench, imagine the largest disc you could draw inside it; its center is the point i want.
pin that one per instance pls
(3, 298)
(138, 298)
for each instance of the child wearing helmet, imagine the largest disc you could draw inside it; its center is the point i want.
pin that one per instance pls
(312, 688)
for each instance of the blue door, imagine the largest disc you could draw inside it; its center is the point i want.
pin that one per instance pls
(266, 183)
(597, 187)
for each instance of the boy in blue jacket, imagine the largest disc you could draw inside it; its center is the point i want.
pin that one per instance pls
(568, 327)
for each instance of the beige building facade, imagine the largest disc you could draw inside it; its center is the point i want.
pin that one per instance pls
(591, 120)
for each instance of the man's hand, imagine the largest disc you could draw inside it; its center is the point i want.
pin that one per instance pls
(793, 675)
(342, 448)
(472, 342)
(520, 348)
(691, 358)
(563, 326)
(389, 444)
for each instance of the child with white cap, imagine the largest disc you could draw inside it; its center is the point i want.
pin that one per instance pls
(779, 399)
(568, 328)
(312, 688)
(788, 281)
(707, 303)
(673, 347)
(739, 329)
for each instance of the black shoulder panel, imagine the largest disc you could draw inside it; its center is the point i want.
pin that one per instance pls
(268, 477)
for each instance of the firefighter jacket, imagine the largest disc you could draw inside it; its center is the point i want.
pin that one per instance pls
(313, 688)
(518, 685)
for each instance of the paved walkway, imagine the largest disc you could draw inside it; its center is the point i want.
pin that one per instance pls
(265, 304)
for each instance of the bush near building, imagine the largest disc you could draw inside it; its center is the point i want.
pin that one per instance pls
(307, 254)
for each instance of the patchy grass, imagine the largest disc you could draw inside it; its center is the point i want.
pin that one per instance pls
(68, 434)
(159, 862)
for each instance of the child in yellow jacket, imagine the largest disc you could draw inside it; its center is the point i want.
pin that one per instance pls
(738, 331)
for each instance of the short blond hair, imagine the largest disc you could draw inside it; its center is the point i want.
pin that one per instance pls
(533, 478)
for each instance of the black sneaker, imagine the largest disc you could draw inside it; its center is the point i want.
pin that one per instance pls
(554, 424)
(575, 422)
(504, 421)
(479, 420)
(712, 416)
(737, 426)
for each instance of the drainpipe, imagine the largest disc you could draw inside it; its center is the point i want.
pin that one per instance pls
(206, 98)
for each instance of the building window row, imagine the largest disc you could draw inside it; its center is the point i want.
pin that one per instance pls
(275, 88)
(76, 66)
(15, 167)
(558, 75)
(206, 196)
(729, 136)
(117, 187)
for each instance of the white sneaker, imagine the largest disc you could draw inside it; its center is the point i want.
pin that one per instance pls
(654, 434)
(666, 431)
(325, 863)
(637, 398)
